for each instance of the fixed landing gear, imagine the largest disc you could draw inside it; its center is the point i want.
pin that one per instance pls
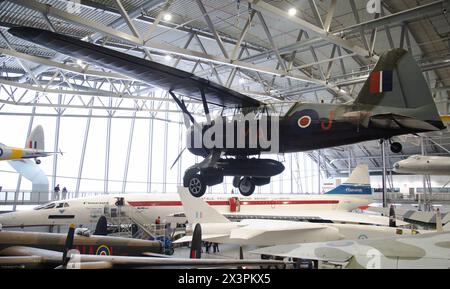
(396, 147)
(38, 161)
(197, 186)
(246, 186)
(247, 173)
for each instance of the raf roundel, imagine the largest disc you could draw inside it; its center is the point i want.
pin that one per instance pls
(304, 121)
(103, 250)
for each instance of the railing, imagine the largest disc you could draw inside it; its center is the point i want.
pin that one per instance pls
(23, 198)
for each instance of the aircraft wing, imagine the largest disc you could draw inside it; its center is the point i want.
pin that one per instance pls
(258, 228)
(206, 237)
(99, 262)
(312, 251)
(24, 255)
(412, 215)
(319, 216)
(153, 73)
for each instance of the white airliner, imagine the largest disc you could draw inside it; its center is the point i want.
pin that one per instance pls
(334, 206)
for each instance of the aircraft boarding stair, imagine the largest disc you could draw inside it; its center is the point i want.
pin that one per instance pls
(129, 215)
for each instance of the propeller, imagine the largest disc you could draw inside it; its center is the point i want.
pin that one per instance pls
(196, 243)
(241, 256)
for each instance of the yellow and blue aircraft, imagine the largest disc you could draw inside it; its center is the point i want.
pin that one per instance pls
(34, 149)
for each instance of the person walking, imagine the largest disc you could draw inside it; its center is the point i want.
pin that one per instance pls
(216, 248)
(207, 247)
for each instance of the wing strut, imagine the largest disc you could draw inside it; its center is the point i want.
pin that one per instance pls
(205, 105)
(183, 108)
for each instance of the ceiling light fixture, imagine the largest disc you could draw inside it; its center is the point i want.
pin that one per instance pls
(292, 12)
(167, 17)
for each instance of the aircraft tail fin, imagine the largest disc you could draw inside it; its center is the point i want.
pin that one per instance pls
(398, 82)
(36, 139)
(357, 184)
(101, 229)
(198, 211)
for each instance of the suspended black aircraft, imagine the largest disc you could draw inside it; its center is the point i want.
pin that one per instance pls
(395, 100)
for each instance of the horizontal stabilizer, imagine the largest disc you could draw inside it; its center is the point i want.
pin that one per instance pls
(397, 122)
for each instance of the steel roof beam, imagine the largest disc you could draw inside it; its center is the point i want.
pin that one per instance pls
(265, 7)
(431, 9)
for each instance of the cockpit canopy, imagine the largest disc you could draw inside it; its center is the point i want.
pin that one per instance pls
(52, 205)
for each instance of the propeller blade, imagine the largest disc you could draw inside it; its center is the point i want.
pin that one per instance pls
(196, 243)
(392, 220)
(178, 157)
(439, 227)
(69, 245)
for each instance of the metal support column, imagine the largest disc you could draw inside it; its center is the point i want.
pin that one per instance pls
(107, 149)
(319, 157)
(56, 143)
(150, 153)
(83, 150)
(166, 133)
(127, 160)
(383, 158)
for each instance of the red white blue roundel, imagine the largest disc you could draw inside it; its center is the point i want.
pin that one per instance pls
(304, 121)
(103, 250)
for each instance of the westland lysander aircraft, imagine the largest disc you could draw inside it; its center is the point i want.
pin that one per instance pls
(333, 206)
(216, 228)
(395, 100)
(34, 150)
